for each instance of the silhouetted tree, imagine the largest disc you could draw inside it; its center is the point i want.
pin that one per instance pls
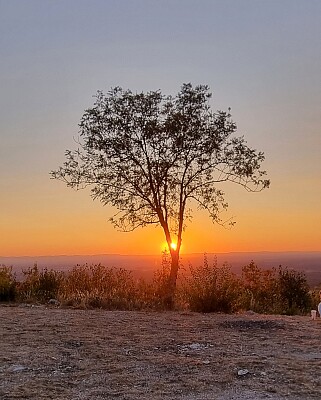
(150, 156)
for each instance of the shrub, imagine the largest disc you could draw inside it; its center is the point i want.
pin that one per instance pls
(294, 292)
(211, 288)
(315, 296)
(98, 286)
(260, 292)
(40, 285)
(7, 284)
(275, 291)
(154, 294)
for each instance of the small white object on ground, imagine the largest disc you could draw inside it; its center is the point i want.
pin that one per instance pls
(313, 314)
(242, 372)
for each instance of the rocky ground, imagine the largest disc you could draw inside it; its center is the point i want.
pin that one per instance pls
(67, 354)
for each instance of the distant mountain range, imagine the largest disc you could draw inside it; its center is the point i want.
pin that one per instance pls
(145, 265)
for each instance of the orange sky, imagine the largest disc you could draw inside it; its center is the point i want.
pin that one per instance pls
(67, 222)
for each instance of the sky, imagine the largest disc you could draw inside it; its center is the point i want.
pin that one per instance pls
(262, 58)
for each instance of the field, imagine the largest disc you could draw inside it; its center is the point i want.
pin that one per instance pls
(69, 354)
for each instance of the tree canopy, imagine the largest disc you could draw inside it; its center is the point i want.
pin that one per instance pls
(152, 156)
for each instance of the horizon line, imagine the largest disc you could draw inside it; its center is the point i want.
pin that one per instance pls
(154, 255)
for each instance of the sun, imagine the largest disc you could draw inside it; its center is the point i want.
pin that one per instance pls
(167, 248)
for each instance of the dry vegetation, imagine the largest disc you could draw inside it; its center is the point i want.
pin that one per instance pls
(205, 288)
(68, 354)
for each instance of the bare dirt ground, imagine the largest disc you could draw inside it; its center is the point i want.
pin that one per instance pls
(67, 354)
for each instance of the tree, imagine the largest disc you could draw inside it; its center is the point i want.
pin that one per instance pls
(150, 156)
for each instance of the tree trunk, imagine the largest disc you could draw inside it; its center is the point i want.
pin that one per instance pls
(172, 280)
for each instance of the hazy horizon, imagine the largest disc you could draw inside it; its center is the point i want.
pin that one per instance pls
(160, 254)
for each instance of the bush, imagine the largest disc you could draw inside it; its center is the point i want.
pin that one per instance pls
(315, 297)
(294, 292)
(7, 284)
(260, 292)
(211, 288)
(99, 286)
(275, 291)
(40, 285)
(154, 295)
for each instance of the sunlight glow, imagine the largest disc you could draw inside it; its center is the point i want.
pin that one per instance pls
(166, 248)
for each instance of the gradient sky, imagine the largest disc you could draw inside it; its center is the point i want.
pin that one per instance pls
(261, 58)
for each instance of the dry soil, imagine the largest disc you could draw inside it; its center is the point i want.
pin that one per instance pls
(68, 354)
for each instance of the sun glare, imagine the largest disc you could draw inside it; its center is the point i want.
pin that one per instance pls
(165, 247)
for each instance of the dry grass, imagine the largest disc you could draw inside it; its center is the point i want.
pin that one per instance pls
(206, 288)
(67, 354)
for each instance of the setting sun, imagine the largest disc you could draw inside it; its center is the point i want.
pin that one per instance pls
(165, 247)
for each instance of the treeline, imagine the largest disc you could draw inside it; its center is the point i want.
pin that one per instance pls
(206, 288)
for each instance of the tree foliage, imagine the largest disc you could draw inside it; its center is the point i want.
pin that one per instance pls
(151, 156)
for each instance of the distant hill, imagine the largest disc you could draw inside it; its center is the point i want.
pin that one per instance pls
(145, 265)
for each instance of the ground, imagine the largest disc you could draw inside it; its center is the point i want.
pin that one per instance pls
(68, 354)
